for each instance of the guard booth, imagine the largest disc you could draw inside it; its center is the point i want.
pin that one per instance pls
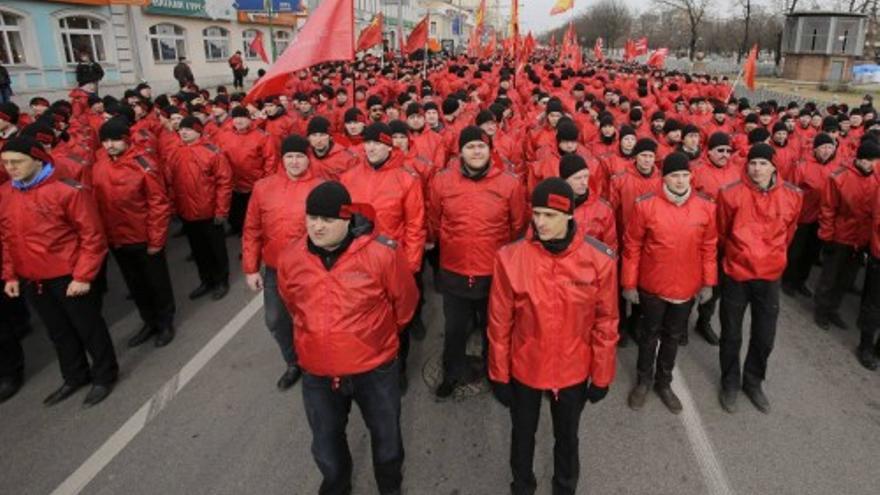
(822, 46)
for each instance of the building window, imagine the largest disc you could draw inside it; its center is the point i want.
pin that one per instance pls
(433, 28)
(82, 35)
(11, 47)
(247, 37)
(168, 42)
(282, 40)
(216, 43)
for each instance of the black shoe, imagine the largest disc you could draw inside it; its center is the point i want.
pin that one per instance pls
(417, 328)
(804, 291)
(637, 397)
(727, 398)
(62, 393)
(756, 395)
(97, 394)
(9, 386)
(165, 336)
(143, 335)
(669, 399)
(445, 389)
(289, 378)
(705, 331)
(837, 321)
(200, 291)
(866, 356)
(822, 322)
(220, 291)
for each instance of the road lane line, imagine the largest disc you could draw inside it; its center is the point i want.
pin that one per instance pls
(126, 433)
(713, 473)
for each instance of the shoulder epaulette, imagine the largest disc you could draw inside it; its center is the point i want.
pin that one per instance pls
(701, 194)
(645, 196)
(601, 246)
(510, 173)
(211, 146)
(411, 172)
(839, 171)
(78, 159)
(70, 182)
(791, 186)
(732, 184)
(619, 173)
(606, 202)
(386, 241)
(424, 160)
(143, 162)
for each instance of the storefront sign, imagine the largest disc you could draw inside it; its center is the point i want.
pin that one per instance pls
(206, 9)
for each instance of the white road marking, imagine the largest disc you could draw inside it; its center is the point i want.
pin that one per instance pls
(126, 433)
(713, 473)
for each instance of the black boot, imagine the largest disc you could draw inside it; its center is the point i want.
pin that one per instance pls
(165, 336)
(142, 336)
(704, 328)
(220, 291)
(200, 291)
(9, 386)
(289, 378)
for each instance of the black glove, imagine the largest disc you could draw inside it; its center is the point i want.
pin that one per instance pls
(595, 393)
(503, 393)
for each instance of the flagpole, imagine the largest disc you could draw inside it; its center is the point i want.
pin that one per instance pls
(428, 27)
(353, 55)
(733, 86)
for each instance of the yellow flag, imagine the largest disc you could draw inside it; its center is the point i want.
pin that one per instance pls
(562, 6)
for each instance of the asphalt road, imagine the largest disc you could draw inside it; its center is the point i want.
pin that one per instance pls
(220, 426)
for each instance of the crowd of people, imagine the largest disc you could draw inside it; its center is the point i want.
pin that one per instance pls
(561, 213)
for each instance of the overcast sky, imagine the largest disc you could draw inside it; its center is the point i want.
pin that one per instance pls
(535, 14)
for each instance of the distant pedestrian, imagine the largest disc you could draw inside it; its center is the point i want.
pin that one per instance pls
(88, 72)
(183, 73)
(238, 70)
(5, 85)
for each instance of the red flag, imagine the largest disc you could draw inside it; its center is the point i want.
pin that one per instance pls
(257, 46)
(750, 69)
(657, 58)
(372, 34)
(640, 47)
(327, 36)
(489, 50)
(418, 37)
(629, 50)
(553, 42)
(597, 50)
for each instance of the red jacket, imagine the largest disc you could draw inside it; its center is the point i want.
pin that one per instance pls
(471, 219)
(845, 211)
(347, 318)
(875, 228)
(132, 200)
(278, 127)
(276, 215)
(670, 250)
(548, 166)
(709, 178)
(812, 177)
(201, 181)
(395, 193)
(595, 217)
(251, 154)
(334, 163)
(755, 228)
(626, 187)
(50, 231)
(553, 317)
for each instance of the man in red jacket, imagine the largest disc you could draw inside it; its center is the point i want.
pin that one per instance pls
(845, 228)
(350, 292)
(869, 309)
(669, 260)
(135, 209)
(53, 248)
(473, 210)
(276, 216)
(593, 215)
(757, 218)
(327, 159)
(552, 327)
(201, 182)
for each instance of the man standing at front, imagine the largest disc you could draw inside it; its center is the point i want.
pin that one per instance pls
(350, 292)
(552, 327)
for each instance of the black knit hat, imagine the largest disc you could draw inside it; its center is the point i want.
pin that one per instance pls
(373, 101)
(554, 193)
(689, 129)
(379, 132)
(329, 200)
(571, 164)
(294, 144)
(554, 105)
(675, 162)
(398, 127)
(761, 150)
(821, 139)
(626, 130)
(193, 123)
(450, 105)
(473, 133)
(114, 129)
(718, 139)
(485, 116)
(671, 125)
(413, 109)
(354, 115)
(868, 150)
(566, 131)
(758, 134)
(752, 118)
(606, 121)
(658, 115)
(28, 146)
(318, 125)
(779, 126)
(645, 144)
(239, 112)
(42, 131)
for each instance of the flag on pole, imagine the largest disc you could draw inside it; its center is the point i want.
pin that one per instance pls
(562, 6)
(640, 47)
(597, 50)
(327, 36)
(257, 47)
(418, 37)
(372, 34)
(750, 69)
(490, 48)
(657, 59)
(553, 42)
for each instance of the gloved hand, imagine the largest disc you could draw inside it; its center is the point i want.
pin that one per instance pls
(705, 295)
(219, 220)
(596, 393)
(631, 295)
(503, 393)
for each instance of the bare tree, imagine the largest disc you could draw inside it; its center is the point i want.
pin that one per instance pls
(695, 11)
(609, 19)
(747, 19)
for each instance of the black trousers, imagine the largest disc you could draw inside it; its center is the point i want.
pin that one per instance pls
(237, 211)
(77, 331)
(840, 264)
(460, 313)
(525, 410)
(238, 78)
(662, 322)
(763, 298)
(869, 310)
(148, 282)
(208, 244)
(803, 252)
(11, 353)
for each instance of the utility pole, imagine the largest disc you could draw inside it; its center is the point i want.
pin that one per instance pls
(400, 27)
